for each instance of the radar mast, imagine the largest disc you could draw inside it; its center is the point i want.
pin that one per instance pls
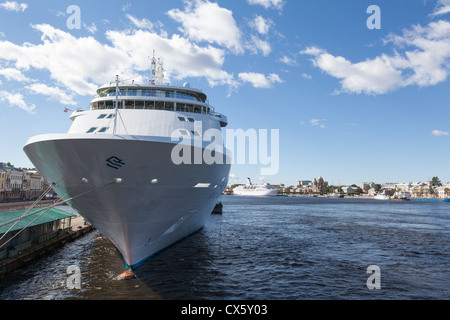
(157, 76)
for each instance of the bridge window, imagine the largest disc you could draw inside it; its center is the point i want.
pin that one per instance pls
(159, 105)
(139, 104)
(129, 104)
(169, 106)
(149, 105)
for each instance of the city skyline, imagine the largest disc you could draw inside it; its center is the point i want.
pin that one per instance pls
(357, 95)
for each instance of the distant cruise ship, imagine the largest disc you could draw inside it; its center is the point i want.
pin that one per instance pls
(255, 190)
(116, 168)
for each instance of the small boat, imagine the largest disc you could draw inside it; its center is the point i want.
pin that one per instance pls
(335, 195)
(381, 197)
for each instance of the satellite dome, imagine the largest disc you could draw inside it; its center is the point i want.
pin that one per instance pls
(186, 85)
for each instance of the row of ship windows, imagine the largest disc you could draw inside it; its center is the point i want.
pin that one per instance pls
(111, 115)
(156, 93)
(104, 129)
(156, 105)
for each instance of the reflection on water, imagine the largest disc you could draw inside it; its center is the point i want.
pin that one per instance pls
(267, 248)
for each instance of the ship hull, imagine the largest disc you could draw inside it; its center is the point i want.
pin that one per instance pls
(262, 193)
(130, 189)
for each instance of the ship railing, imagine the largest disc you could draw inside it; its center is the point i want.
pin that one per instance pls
(221, 117)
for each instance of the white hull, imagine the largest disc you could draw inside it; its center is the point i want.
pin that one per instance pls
(157, 202)
(381, 197)
(335, 195)
(256, 192)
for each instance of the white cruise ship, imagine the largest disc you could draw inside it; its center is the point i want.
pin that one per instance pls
(250, 189)
(115, 165)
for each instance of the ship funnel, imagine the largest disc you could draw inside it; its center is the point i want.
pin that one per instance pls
(249, 182)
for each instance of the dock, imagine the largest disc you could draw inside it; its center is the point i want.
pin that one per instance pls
(79, 228)
(21, 205)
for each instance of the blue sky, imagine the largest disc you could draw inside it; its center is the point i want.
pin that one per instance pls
(351, 104)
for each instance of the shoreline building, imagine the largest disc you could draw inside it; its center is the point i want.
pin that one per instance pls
(20, 184)
(13, 180)
(319, 185)
(308, 186)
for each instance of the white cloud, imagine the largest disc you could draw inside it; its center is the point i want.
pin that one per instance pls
(14, 74)
(256, 44)
(274, 78)
(439, 133)
(318, 123)
(53, 93)
(426, 64)
(277, 4)
(186, 59)
(92, 28)
(14, 6)
(147, 24)
(259, 80)
(306, 76)
(140, 23)
(371, 76)
(16, 99)
(126, 6)
(288, 61)
(206, 21)
(261, 25)
(79, 65)
(443, 7)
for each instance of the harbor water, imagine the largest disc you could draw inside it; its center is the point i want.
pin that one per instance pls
(266, 248)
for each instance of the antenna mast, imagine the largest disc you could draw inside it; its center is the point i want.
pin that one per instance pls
(117, 104)
(157, 76)
(153, 68)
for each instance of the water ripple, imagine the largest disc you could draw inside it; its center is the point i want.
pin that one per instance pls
(267, 248)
